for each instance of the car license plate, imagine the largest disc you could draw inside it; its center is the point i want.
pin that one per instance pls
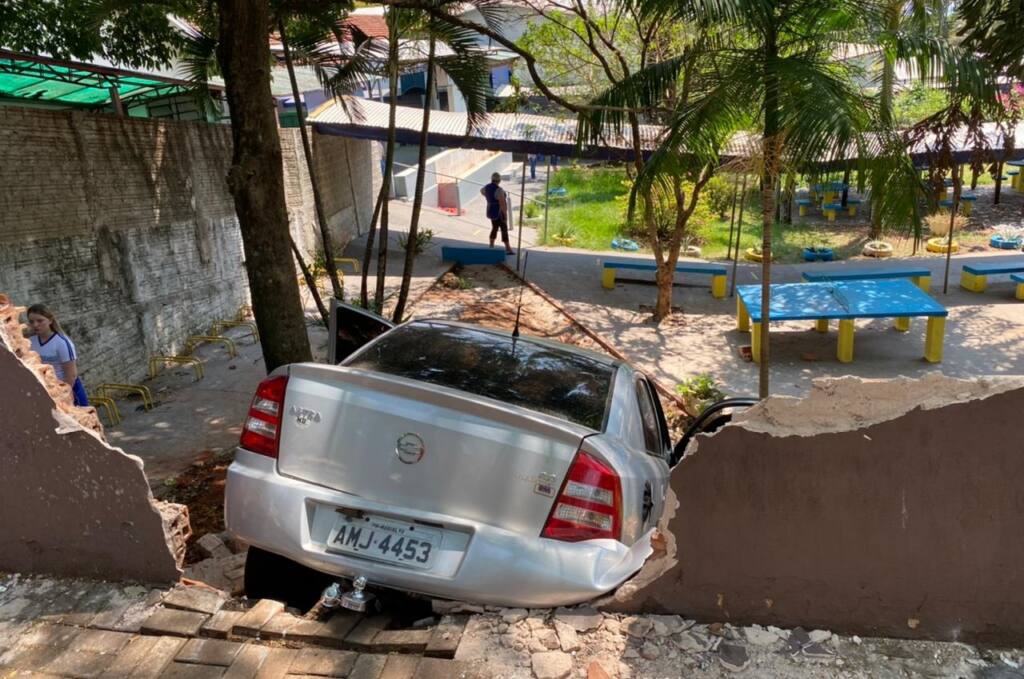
(387, 540)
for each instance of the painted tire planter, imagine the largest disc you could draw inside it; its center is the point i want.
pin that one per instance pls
(877, 248)
(752, 256)
(1001, 243)
(819, 254)
(691, 251)
(625, 244)
(941, 244)
(564, 240)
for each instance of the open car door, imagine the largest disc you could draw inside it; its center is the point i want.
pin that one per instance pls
(713, 418)
(351, 329)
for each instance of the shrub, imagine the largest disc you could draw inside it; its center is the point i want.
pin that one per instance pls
(532, 209)
(717, 193)
(938, 223)
(699, 392)
(423, 238)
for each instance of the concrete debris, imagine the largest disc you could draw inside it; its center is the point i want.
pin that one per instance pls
(636, 626)
(567, 637)
(650, 651)
(74, 494)
(733, 657)
(513, 615)
(819, 635)
(759, 636)
(211, 545)
(582, 619)
(551, 665)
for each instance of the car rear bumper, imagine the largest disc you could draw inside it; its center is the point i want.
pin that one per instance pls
(276, 513)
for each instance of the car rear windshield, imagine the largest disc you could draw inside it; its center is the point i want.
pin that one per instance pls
(558, 382)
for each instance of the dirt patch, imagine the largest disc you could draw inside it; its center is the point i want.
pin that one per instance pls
(201, 488)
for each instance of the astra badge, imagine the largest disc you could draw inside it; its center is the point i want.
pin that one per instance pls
(303, 416)
(410, 448)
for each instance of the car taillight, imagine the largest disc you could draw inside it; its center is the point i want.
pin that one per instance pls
(262, 430)
(589, 506)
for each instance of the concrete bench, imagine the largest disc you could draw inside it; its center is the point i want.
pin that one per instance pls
(921, 277)
(1019, 280)
(831, 210)
(974, 277)
(470, 255)
(716, 271)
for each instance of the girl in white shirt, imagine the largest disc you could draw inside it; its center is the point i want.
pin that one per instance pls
(56, 350)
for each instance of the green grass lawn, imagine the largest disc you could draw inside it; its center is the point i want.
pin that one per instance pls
(594, 212)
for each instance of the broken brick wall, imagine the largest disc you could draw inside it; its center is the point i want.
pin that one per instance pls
(886, 507)
(71, 504)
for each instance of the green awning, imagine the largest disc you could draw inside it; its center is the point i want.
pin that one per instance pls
(25, 76)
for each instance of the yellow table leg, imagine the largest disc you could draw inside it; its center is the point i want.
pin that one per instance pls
(933, 339)
(923, 282)
(718, 287)
(608, 278)
(803, 210)
(902, 323)
(851, 210)
(969, 281)
(821, 325)
(845, 351)
(830, 215)
(742, 317)
(966, 207)
(1020, 291)
(755, 343)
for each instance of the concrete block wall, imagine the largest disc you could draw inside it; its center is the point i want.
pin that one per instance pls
(126, 228)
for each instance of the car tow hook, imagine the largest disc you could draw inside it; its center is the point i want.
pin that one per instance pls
(356, 599)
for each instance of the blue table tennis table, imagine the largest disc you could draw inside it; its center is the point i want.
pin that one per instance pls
(845, 301)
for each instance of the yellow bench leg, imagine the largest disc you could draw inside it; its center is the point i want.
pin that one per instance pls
(845, 351)
(821, 325)
(933, 339)
(966, 207)
(1020, 291)
(803, 210)
(902, 323)
(969, 281)
(923, 282)
(742, 317)
(830, 215)
(718, 287)
(755, 343)
(608, 279)
(851, 210)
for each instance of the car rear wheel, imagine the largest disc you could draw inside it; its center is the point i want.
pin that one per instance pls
(272, 576)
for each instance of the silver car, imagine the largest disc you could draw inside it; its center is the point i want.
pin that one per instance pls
(449, 460)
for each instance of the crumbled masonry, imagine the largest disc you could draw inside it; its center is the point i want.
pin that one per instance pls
(882, 507)
(83, 508)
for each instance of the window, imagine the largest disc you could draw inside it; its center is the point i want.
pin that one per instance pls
(655, 429)
(560, 382)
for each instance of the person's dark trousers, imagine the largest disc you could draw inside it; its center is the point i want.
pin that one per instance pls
(533, 167)
(496, 224)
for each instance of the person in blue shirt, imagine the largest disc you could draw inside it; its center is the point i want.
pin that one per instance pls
(497, 210)
(56, 350)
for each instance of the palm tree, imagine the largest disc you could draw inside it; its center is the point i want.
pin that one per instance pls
(466, 67)
(773, 74)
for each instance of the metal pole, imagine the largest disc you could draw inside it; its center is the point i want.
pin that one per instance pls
(547, 199)
(957, 180)
(522, 199)
(732, 218)
(739, 230)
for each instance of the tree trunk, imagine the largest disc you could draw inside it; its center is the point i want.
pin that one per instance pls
(417, 201)
(256, 182)
(368, 253)
(769, 175)
(885, 112)
(389, 160)
(307, 151)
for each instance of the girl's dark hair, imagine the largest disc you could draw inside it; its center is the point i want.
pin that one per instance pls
(43, 310)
